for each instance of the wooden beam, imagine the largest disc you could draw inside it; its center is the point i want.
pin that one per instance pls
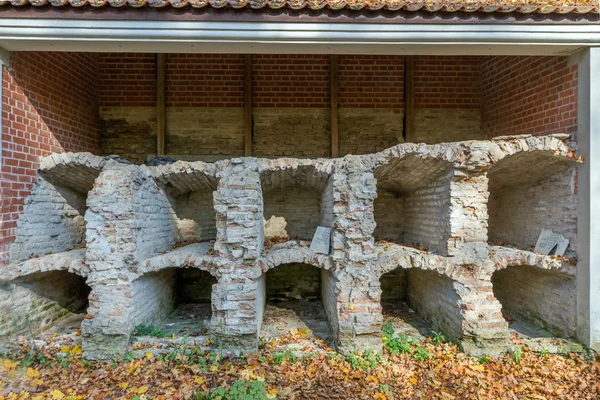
(248, 105)
(409, 101)
(334, 106)
(160, 104)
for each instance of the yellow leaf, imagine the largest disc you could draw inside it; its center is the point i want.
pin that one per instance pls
(379, 396)
(76, 350)
(199, 380)
(346, 370)
(37, 398)
(36, 382)
(123, 385)
(479, 368)
(57, 394)
(214, 368)
(65, 349)
(413, 380)
(32, 373)
(304, 331)
(142, 390)
(133, 367)
(248, 374)
(371, 378)
(9, 363)
(149, 356)
(294, 331)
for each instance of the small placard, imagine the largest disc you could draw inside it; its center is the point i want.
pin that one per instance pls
(321, 240)
(551, 243)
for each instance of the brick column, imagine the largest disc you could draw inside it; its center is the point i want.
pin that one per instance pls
(484, 330)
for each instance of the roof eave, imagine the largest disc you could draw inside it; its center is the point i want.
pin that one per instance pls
(158, 31)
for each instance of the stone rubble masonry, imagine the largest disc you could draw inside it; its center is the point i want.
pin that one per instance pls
(129, 219)
(134, 215)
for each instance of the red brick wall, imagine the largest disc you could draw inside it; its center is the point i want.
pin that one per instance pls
(371, 82)
(49, 105)
(528, 95)
(126, 80)
(290, 81)
(447, 82)
(205, 80)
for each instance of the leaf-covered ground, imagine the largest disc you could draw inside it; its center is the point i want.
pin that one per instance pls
(297, 366)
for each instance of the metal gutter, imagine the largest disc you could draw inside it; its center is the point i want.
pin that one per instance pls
(196, 36)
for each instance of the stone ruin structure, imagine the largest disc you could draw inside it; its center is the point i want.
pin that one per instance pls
(111, 240)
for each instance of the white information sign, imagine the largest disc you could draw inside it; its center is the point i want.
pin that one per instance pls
(321, 240)
(551, 243)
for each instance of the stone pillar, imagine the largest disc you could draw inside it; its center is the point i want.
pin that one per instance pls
(239, 212)
(588, 218)
(129, 219)
(354, 191)
(239, 205)
(357, 287)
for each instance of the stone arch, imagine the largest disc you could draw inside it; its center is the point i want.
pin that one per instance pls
(70, 261)
(191, 256)
(293, 254)
(505, 257)
(507, 146)
(392, 256)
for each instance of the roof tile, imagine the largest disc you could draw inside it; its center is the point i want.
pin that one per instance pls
(447, 6)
